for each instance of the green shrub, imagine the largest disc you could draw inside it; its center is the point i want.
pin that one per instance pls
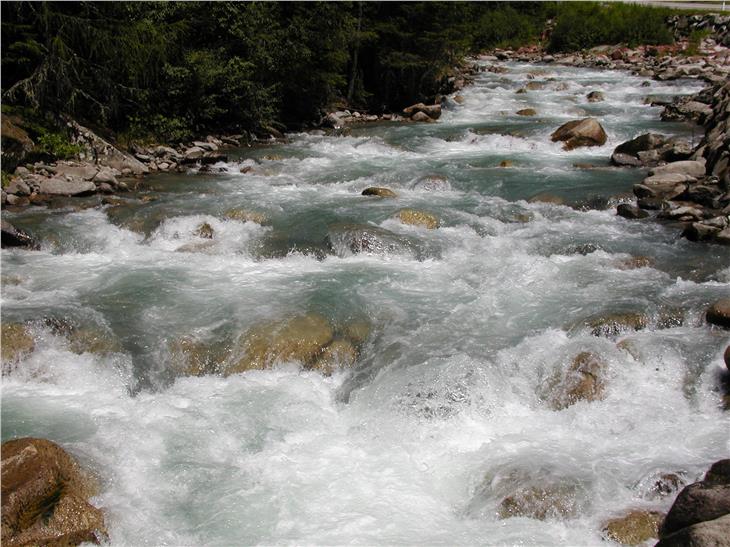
(582, 25)
(694, 40)
(5, 179)
(56, 146)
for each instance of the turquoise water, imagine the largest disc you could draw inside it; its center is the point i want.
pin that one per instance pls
(469, 322)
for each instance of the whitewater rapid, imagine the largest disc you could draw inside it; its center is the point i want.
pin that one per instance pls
(417, 443)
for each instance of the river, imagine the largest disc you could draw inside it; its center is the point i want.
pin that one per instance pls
(444, 414)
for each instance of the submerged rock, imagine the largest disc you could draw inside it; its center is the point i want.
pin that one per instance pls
(16, 343)
(616, 323)
(45, 497)
(629, 211)
(635, 527)
(595, 97)
(343, 239)
(585, 132)
(379, 192)
(338, 354)
(418, 218)
(302, 339)
(580, 381)
(246, 216)
(527, 112)
(432, 183)
(204, 231)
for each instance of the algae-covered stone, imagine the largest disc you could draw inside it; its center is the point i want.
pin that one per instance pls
(17, 342)
(418, 218)
(379, 192)
(634, 528)
(301, 339)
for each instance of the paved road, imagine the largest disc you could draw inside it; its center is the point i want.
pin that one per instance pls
(713, 6)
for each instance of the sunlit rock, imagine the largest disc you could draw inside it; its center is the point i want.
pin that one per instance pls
(243, 215)
(527, 112)
(719, 313)
(635, 527)
(338, 354)
(418, 218)
(585, 132)
(45, 497)
(581, 380)
(379, 192)
(17, 343)
(615, 323)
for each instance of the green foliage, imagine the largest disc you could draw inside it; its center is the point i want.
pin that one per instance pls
(694, 40)
(5, 179)
(582, 25)
(56, 146)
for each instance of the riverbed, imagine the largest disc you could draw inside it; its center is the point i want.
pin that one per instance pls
(445, 412)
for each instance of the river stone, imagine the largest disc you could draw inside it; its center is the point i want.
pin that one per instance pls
(711, 533)
(191, 357)
(16, 342)
(459, 99)
(15, 237)
(421, 117)
(544, 197)
(629, 211)
(595, 97)
(699, 231)
(719, 313)
(527, 112)
(616, 323)
(357, 332)
(45, 497)
(379, 191)
(18, 187)
(635, 262)
(642, 143)
(534, 86)
(61, 187)
(246, 216)
(432, 183)
(204, 231)
(659, 189)
(635, 527)
(506, 163)
(91, 340)
(701, 501)
(418, 218)
(580, 382)
(585, 132)
(339, 354)
(433, 111)
(691, 168)
(302, 339)
(365, 238)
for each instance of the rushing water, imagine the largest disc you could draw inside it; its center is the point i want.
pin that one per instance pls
(419, 442)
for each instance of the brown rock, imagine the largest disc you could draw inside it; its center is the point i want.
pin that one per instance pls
(44, 497)
(205, 231)
(585, 132)
(580, 382)
(634, 528)
(727, 357)
(380, 192)
(459, 99)
(541, 502)
(302, 339)
(418, 218)
(711, 533)
(635, 262)
(595, 97)
(421, 117)
(191, 357)
(246, 216)
(506, 163)
(629, 211)
(527, 112)
(719, 313)
(547, 198)
(534, 86)
(90, 340)
(616, 323)
(16, 342)
(339, 354)
(357, 332)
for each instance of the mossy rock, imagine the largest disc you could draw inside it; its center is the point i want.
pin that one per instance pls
(17, 342)
(243, 215)
(379, 192)
(414, 217)
(635, 527)
(301, 339)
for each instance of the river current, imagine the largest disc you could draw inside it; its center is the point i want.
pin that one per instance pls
(442, 415)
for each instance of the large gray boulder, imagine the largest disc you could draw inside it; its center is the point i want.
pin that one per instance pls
(15, 237)
(56, 186)
(690, 168)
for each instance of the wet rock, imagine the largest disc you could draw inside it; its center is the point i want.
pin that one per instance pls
(343, 239)
(595, 97)
(664, 484)
(339, 354)
(196, 247)
(712, 533)
(699, 231)
(205, 231)
(506, 163)
(45, 497)
(683, 214)
(432, 183)
(527, 112)
(433, 111)
(635, 527)
(719, 313)
(418, 218)
(191, 357)
(632, 148)
(661, 187)
(534, 86)
(702, 501)
(626, 210)
(458, 99)
(17, 343)
(578, 133)
(421, 117)
(357, 332)
(301, 339)
(625, 160)
(15, 237)
(246, 216)
(694, 169)
(547, 198)
(616, 323)
(635, 262)
(63, 187)
(18, 187)
(580, 381)
(726, 356)
(92, 340)
(379, 191)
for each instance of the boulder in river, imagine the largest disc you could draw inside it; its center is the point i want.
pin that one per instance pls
(433, 111)
(527, 112)
(628, 153)
(432, 183)
(701, 502)
(339, 354)
(243, 215)
(379, 192)
(343, 239)
(627, 210)
(585, 132)
(204, 231)
(418, 218)
(16, 342)
(635, 527)
(45, 497)
(15, 237)
(595, 97)
(582, 380)
(421, 117)
(616, 323)
(719, 313)
(301, 339)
